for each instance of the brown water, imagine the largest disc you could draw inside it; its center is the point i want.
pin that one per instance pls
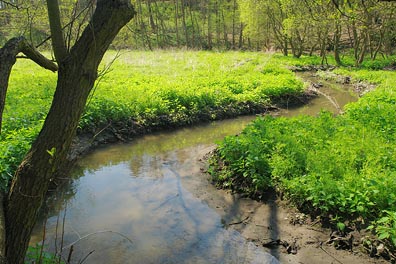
(134, 203)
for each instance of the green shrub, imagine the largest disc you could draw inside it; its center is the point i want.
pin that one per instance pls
(338, 167)
(154, 89)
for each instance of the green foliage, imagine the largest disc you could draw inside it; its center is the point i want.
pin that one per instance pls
(149, 90)
(385, 228)
(35, 254)
(342, 166)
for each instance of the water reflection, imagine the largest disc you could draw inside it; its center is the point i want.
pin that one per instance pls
(140, 190)
(137, 190)
(341, 94)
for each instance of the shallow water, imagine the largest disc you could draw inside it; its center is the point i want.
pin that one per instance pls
(132, 203)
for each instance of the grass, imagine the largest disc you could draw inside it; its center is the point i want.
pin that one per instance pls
(147, 90)
(342, 168)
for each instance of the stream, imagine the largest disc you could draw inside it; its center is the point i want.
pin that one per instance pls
(137, 203)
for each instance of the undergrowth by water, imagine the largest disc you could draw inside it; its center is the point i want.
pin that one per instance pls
(342, 168)
(143, 91)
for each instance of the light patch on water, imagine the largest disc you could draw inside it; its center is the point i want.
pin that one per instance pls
(140, 190)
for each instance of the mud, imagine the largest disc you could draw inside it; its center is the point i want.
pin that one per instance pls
(155, 192)
(272, 220)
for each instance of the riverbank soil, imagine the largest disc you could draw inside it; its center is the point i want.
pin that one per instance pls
(277, 227)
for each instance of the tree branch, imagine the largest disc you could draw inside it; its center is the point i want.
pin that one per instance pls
(8, 55)
(58, 41)
(102, 29)
(10, 4)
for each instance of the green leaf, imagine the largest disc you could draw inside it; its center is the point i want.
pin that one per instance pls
(341, 226)
(383, 235)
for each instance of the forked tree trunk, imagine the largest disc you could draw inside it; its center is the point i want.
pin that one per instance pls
(8, 58)
(76, 76)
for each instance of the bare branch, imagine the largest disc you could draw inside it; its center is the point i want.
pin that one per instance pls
(11, 4)
(65, 26)
(8, 56)
(58, 42)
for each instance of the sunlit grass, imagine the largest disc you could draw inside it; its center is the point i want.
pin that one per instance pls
(153, 89)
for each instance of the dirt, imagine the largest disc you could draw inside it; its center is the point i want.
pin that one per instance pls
(276, 226)
(282, 230)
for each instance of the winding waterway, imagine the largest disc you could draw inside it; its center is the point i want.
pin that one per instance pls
(135, 202)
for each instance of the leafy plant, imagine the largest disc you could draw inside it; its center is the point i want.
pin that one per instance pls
(342, 168)
(36, 255)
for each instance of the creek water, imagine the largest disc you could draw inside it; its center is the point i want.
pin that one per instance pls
(135, 203)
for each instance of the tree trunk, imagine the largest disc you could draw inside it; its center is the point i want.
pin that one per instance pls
(337, 38)
(76, 76)
(234, 8)
(183, 10)
(193, 44)
(176, 22)
(209, 10)
(8, 58)
(240, 44)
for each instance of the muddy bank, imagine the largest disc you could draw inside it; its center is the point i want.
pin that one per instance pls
(281, 229)
(272, 226)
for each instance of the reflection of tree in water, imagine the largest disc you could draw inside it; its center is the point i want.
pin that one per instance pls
(63, 190)
(139, 165)
(161, 143)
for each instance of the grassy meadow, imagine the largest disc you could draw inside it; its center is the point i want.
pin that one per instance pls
(147, 91)
(343, 167)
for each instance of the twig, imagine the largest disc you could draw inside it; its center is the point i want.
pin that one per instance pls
(240, 222)
(76, 232)
(85, 258)
(325, 251)
(166, 201)
(11, 4)
(28, 196)
(101, 74)
(93, 138)
(42, 244)
(70, 254)
(64, 27)
(56, 233)
(63, 229)
(96, 233)
(328, 97)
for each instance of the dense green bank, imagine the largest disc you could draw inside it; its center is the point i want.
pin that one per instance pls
(342, 168)
(145, 91)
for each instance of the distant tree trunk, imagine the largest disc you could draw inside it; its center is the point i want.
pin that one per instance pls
(153, 26)
(225, 34)
(176, 2)
(210, 45)
(143, 30)
(284, 44)
(337, 38)
(183, 9)
(193, 44)
(76, 76)
(240, 45)
(217, 12)
(234, 8)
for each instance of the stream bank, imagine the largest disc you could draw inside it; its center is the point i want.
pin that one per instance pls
(155, 192)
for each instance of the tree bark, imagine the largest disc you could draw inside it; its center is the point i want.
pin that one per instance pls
(183, 10)
(76, 76)
(8, 58)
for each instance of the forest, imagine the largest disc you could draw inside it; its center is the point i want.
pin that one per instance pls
(111, 71)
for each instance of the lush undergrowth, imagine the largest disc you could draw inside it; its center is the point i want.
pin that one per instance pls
(148, 90)
(340, 167)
